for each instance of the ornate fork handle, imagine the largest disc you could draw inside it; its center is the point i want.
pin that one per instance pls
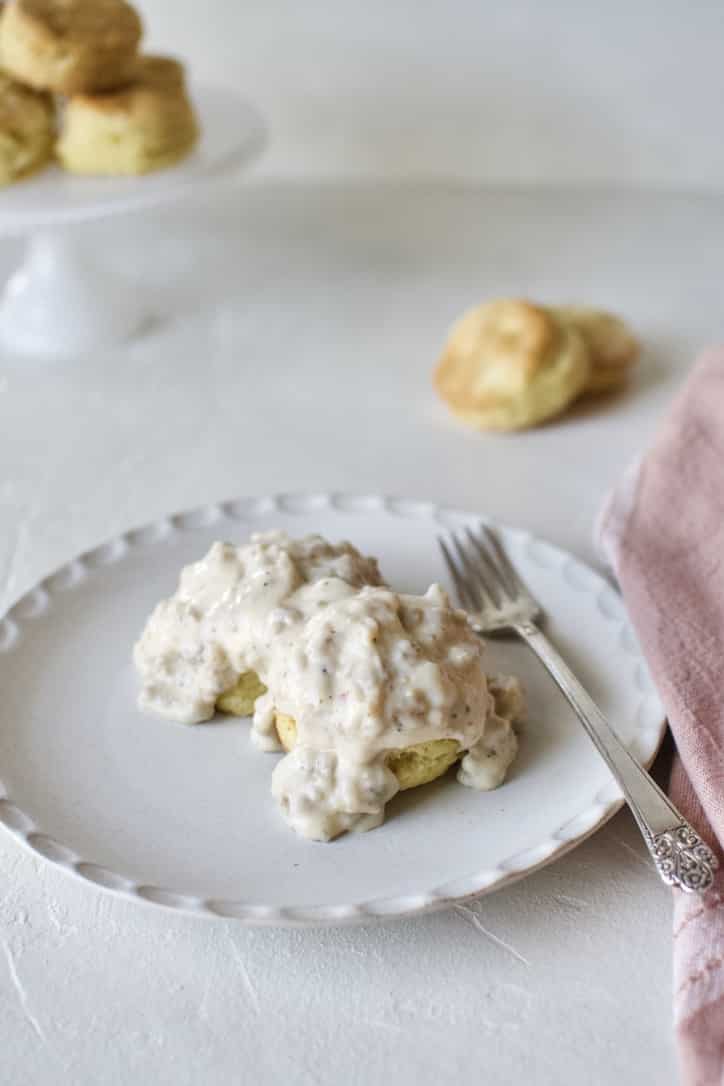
(681, 857)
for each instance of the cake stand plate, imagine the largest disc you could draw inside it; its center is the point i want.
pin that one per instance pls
(56, 304)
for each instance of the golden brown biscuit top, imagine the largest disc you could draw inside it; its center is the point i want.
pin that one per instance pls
(154, 76)
(509, 332)
(14, 101)
(496, 349)
(106, 23)
(160, 72)
(608, 338)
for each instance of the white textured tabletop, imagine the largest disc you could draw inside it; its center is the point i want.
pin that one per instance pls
(296, 330)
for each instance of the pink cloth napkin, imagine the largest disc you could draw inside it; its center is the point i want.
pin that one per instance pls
(663, 532)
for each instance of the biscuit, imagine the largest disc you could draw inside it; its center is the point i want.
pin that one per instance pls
(509, 364)
(413, 766)
(425, 762)
(239, 700)
(611, 345)
(145, 126)
(27, 129)
(164, 73)
(69, 46)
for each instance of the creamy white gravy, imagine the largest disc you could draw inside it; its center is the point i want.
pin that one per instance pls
(362, 670)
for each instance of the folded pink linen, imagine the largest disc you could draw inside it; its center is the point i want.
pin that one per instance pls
(663, 532)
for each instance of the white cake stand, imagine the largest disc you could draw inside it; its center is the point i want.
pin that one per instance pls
(55, 304)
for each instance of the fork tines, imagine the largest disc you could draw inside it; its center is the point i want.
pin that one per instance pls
(483, 575)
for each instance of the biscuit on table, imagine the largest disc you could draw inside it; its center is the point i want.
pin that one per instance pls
(144, 126)
(68, 46)
(509, 364)
(27, 129)
(612, 346)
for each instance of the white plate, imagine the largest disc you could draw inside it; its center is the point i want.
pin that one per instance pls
(232, 134)
(182, 816)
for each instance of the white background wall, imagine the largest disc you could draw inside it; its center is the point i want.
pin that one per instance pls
(596, 91)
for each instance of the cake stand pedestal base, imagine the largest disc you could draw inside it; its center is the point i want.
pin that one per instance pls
(56, 304)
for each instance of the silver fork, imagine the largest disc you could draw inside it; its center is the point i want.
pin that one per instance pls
(497, 600)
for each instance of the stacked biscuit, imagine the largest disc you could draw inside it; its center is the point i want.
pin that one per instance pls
(510, 364)
(122, 113)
